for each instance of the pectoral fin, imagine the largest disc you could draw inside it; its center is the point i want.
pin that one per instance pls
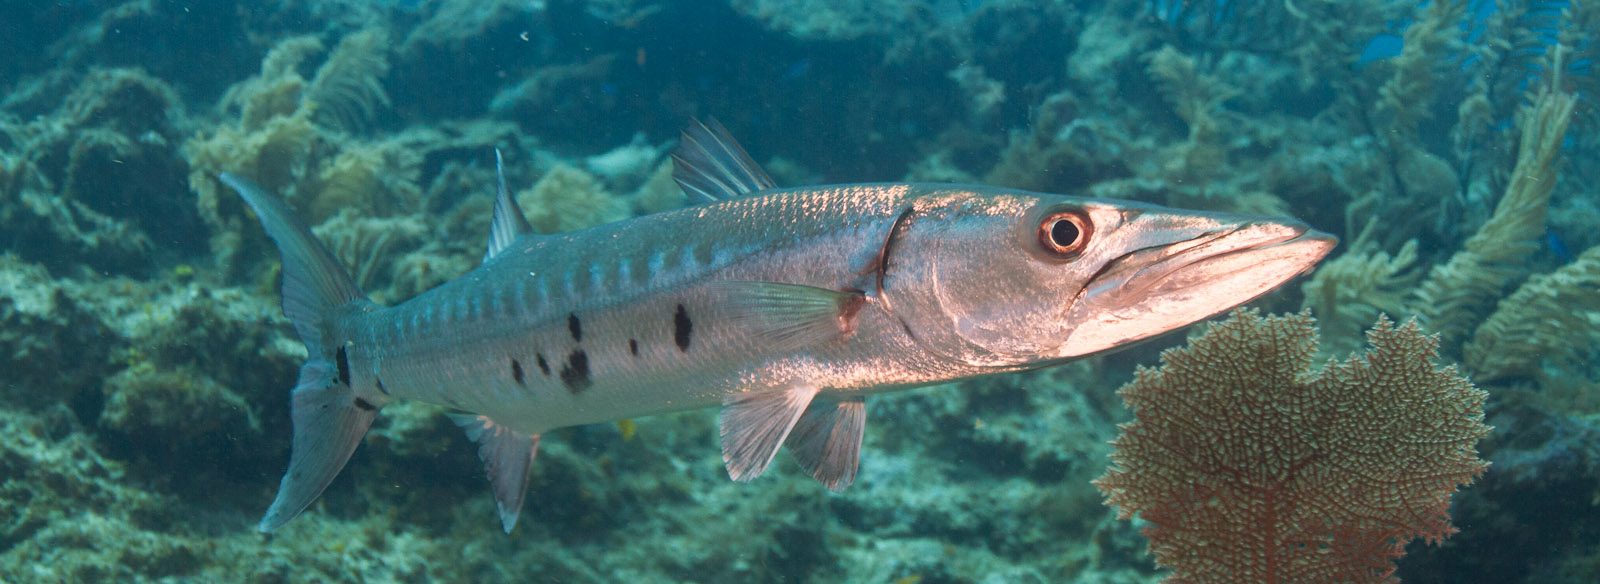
(507, 456)
(789, 316)
(755, 424)
(827, 440)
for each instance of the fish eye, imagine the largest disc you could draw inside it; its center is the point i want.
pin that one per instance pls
(1064, 233)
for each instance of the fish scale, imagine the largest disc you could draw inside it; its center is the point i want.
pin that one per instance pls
(786, 307)
(613, 311)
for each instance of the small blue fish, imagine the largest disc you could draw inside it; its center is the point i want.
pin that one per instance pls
(1557, 247)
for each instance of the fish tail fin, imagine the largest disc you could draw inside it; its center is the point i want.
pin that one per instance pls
(329, 418)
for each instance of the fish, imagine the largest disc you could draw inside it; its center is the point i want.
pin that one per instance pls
(785, 307)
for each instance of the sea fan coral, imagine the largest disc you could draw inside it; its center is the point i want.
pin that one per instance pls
(1250, 468)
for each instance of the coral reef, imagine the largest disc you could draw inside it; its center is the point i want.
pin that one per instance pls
(144, 362)
(1250, 467)
(1355, 288)
(567, 198)
(1459, 293)
(1552, 318)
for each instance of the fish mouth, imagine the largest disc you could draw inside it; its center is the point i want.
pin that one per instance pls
(1185, 277)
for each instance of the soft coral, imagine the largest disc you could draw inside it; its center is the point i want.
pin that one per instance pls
(1250, 468)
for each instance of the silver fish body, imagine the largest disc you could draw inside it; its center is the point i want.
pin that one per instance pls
(784, 306)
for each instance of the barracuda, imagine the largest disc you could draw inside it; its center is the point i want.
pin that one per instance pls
(785, 307)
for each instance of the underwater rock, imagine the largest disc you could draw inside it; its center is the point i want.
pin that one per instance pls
(61, 503)
(97, 179)
(834, 20)
(53, 348)
(177, 415)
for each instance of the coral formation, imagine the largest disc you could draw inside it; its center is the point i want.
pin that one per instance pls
(1460, 292)
(1250, 467)
(1350, 291)
(1552, 318)
(567, 198)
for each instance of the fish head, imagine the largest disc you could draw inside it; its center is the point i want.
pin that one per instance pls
(1014, 279)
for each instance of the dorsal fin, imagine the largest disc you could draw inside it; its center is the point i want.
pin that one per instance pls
(710, 164)
(509, 223)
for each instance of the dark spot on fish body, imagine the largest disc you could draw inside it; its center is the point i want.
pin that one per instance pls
(516, 372)
(544, 366)
(575, 327)
(342, 360)
(682, 328)
(633, 347)
(575, 373)
(365, 405)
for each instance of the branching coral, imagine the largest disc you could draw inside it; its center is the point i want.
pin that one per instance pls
(1498, 63)
(1414, 182)
(1249, 467)
(380, 178)
(1354, 288)
(1553, 318)
(567, 198)
(1404, 100)
(1197, 98)
(14, 172)
(276, 90)
(1457, 295)
(659, 192)
(1062, 150)
(348, 89)
(367, 244)
(453, 22)
(292, 136)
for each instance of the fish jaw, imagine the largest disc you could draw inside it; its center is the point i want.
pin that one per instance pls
(1177, 278)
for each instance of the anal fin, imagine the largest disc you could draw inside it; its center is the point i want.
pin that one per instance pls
(755, 424)
(507, 457)
(827, 440)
